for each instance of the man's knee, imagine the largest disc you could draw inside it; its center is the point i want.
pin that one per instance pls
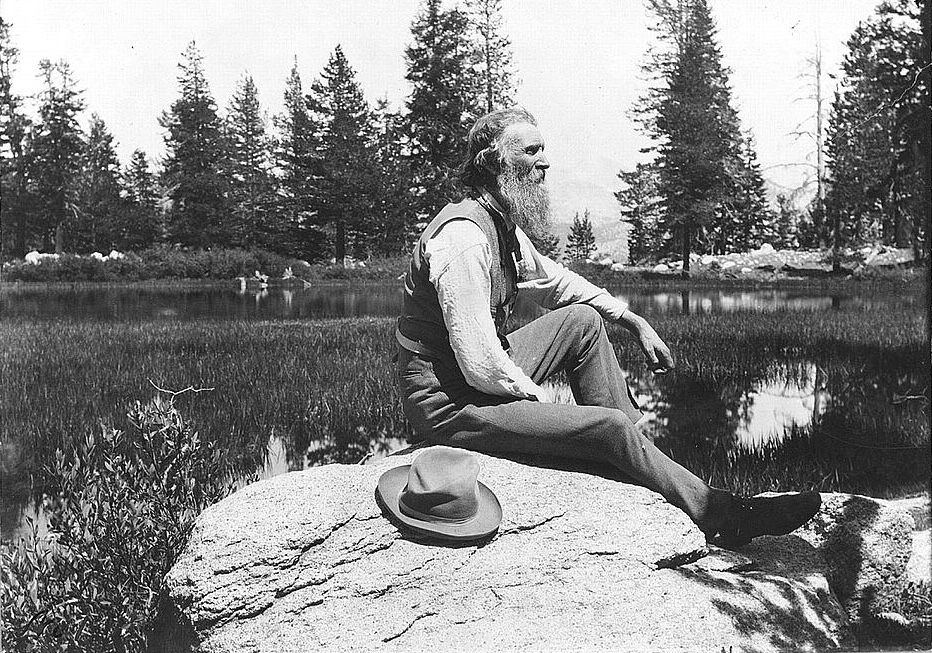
(585, 319)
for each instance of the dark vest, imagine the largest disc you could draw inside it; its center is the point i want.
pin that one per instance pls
(421, 321)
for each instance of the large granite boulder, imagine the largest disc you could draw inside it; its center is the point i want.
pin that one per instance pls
(305, 561)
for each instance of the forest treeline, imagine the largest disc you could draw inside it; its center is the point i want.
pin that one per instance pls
(331, 175)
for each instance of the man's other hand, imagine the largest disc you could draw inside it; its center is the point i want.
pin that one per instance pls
(658, 354)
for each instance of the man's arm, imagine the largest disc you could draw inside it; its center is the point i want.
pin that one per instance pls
(459, 260)
(552, 286)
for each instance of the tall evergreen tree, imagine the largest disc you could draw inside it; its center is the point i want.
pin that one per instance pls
(346, 199)
(689, 115)
(299, 168)
(14, 126)
(580, 243)
(394, 231)
(99, 204)
(642, 208)
(55, 153)
(493, 54)
(141, 225)
(743, 219)
(875, 189)
(251, 197)
(443, 101)
(193, 168)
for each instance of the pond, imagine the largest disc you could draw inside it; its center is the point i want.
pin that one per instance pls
(774, 389)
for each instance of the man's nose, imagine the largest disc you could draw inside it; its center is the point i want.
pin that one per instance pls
(542, 162)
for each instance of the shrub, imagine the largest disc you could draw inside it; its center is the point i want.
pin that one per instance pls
(122, 511)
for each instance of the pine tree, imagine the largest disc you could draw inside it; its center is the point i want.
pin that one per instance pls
(141, 226)
(581, 241)
(55, 153)
(493, 54)
(248, 163)
(743, 220)
(99, 206)
(14, 127)
(193, 168)
(349, 166)
(699, 151)
(443, 102)
(875, 189)
(394, 232)
(300, 173)
(787, 223)
(642, 208)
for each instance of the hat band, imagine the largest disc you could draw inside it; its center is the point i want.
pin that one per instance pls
(414, 514)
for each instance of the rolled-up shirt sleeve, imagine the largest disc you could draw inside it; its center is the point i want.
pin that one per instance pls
(459, 259)
(552, 285)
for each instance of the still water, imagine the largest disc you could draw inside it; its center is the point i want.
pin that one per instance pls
(846, 410)
(121, 304)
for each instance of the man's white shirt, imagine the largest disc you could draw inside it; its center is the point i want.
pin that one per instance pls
(459, 257)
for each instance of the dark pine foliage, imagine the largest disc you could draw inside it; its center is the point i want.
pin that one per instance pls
(193, 172)
(443, 102)
(878, 179)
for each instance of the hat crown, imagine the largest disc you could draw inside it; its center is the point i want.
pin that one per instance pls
(442, 486)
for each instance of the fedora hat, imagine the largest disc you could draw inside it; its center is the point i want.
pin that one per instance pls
(439, 495)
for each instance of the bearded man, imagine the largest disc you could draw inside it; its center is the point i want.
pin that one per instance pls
(465, 383)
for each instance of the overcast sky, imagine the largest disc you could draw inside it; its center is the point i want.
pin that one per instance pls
(578, 62)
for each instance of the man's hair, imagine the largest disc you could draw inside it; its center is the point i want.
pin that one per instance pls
(485, 146)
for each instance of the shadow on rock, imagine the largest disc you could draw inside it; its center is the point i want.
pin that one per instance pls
(775, 592)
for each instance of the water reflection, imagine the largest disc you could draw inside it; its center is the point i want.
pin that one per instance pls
(789, 401)
(301, 300)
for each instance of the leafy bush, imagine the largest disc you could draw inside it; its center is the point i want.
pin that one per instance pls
(123, 509)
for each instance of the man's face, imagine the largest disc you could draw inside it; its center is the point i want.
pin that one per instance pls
(524, 150)
(521, 180)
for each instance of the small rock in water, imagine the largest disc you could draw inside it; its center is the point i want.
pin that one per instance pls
(661, 267)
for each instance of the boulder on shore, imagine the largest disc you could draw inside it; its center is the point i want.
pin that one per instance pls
(305, 562)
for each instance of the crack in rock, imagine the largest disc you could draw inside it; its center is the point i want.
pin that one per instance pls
(529, 527)
(408, 627)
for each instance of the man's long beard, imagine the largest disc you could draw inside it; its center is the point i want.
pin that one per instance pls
(528, 200)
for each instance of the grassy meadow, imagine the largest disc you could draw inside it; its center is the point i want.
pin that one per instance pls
(325, 388)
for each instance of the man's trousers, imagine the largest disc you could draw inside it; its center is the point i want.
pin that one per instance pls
(444, 409)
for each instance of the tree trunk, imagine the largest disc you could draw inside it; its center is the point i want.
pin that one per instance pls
(340, 244)
(687, 241)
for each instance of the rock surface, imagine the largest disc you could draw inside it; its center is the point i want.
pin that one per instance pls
(305, 561)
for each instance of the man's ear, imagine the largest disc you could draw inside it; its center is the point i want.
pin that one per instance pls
(488, 159)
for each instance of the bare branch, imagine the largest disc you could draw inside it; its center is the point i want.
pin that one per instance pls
(175, 393)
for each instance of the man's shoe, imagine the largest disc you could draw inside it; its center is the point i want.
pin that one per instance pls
(755, 516)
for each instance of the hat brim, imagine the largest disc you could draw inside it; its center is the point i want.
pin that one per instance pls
(487, 519)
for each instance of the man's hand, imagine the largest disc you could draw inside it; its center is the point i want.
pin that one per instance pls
(658, 354)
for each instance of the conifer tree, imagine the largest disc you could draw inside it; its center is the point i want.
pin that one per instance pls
(248, 164)
(393, 231)
(496, 83)
(787, 223)
(141, 226)
(700, 157)
(299, 166)
(193, 169)
(641, 207)
(443, 102)
(580, 243)
(99, 206)
(349, 166)
(14, 127)
(55, 153)
(875, 189)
